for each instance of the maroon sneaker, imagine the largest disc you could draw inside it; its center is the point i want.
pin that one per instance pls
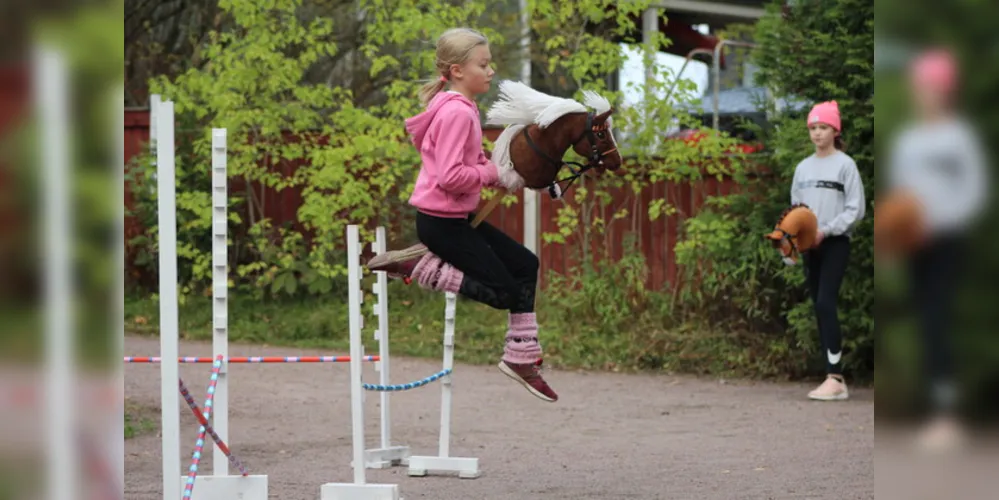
(398, 263)
(529, 375)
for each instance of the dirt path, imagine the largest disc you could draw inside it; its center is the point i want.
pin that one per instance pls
(609, 437)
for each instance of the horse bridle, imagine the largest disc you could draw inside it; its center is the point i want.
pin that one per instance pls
(593, 159)
(790, 239)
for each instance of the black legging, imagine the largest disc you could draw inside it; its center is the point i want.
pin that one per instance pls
(935, 272)
(824, 268)
(499, 272)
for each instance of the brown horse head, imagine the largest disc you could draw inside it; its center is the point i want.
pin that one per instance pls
(899, 224)
(795, 232)
(541, 129)
(597, 143)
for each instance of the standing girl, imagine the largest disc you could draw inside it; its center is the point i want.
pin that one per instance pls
(481, 263)
(829, 183)
(939, 160)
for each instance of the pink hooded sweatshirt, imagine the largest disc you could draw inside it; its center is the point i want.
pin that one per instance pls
(455, 169)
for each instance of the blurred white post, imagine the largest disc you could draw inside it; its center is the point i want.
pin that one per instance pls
(532, 203)
(220, 294)
(169, 374)
(116, 450)
(52, 96)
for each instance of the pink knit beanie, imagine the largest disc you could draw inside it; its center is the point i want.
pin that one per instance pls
(934, 69)
(825, 112)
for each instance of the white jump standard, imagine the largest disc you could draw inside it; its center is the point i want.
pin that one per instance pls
(360, 489)
(220, 485)
(388, 455)
(467, 468)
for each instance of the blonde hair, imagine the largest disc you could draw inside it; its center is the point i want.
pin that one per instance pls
(453, 47)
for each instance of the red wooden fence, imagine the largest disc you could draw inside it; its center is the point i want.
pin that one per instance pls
(655, 239)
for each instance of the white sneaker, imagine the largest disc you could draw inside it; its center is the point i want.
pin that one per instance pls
(942, 434)
(833, 389)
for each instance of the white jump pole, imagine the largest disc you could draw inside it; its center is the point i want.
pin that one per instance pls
(467, 468)
(386, 455)
(360, 489)
(169, 374)
(220, 484)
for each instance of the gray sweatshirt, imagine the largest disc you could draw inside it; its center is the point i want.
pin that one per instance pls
(944, 165)
(831, 187)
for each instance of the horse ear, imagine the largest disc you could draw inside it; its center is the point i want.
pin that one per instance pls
(602, 117)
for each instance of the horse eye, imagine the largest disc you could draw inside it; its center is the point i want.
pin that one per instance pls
(601, 135)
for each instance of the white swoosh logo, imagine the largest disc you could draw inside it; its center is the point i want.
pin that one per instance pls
(834, 358)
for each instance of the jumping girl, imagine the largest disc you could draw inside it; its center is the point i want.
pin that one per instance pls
(481, 263)
(829, 183)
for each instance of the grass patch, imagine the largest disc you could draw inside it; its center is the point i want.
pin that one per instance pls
(573, 335)
(139, 420)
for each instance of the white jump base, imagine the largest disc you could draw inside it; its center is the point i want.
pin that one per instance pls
(467, 468)
(350, 491)
(228, 487)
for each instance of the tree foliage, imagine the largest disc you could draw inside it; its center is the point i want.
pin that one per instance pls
(353, 165)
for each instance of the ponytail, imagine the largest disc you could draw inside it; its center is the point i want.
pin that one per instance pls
(430, 89)
(839, 144)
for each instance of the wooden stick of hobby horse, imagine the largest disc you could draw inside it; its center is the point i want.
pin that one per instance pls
(479, 217)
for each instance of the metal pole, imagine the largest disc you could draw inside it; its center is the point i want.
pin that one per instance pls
(716, 66)
(686, 61)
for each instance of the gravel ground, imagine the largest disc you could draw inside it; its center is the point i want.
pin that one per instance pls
(610, 436)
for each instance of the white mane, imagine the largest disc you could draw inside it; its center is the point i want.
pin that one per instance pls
(519, 104)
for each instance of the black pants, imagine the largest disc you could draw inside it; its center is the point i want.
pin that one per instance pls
(499, 272)
(824, 268)
(934, 272)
